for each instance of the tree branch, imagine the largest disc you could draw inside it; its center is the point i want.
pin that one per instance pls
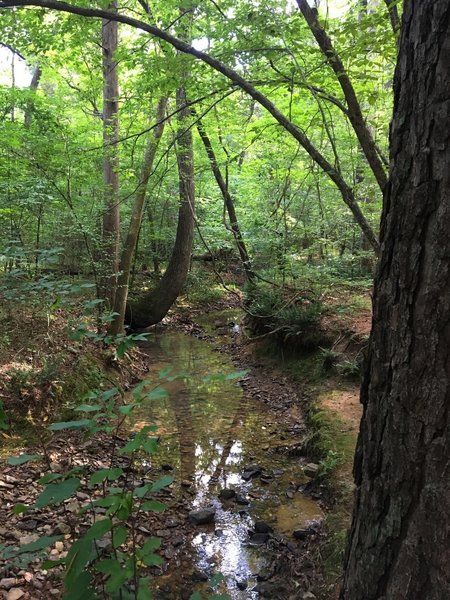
(346, 191)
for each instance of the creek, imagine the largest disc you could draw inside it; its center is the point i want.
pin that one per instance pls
(210, 433)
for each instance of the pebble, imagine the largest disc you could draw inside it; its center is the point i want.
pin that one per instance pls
(311, 469)
(8, 582)
(262, 527)
(15, 594)
(227, 494)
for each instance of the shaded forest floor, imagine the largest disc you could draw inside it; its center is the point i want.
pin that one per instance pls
(315, 405)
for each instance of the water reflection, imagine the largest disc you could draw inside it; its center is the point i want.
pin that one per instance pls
(208, 432)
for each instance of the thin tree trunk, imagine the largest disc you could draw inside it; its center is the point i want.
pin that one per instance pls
(34, 84)
(394, 16)
(399, 541)
(111, 214)
(153, 306)
(228, 200)
(354, 109)
(136, 220)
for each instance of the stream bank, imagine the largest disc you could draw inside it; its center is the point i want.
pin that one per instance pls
(253, 446)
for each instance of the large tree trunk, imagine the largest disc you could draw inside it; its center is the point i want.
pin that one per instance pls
(398, 546)
(154, 306)
(129, 247)
(111, 214)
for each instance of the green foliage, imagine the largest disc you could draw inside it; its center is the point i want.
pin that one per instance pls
(289, 317)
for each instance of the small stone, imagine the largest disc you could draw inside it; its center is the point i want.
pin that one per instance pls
(8, 582)
(251, 471)
(54, 592)
(82, 496)
(15, 594)
(242, 500)
(308, 596)
(199, 576)
(301, 534)
(241, 584)
(61, 528)
(264, 575)
(202, 516)
(311, 469)
(28, 539)
(177, 541)
(262, 527)
(59, 546)
(218, 532)
(167, 467)
(266, 479)
(258, 539)
(226, 494)
(29, 525)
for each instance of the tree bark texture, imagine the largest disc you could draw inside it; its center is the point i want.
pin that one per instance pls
(399, 546)
(237, 79)
(228, 200)
(153, 306)
(129, 247)
(354, 112)
(111, 214)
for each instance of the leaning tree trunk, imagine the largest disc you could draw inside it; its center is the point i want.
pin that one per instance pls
(398, 546)
(153, 307)
(228, 200)
(111, 211)
(120, 301)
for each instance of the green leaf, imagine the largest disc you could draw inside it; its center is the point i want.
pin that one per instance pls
(156, 394)
(140, 491)
(215, 580)
(82, 590)
(161, 483)
(22, 459)
(144, 592)
(57, 492)
(49, 477)
(120, 535)
(195, 596)
(88, 408)
(98, 529)
(127, 409)
(150, 546)
(152, 560)
(102, 474)
(153, 505)
(42, 542)
(20, 508)
(107, 394)
(80, 553)
(70, 425)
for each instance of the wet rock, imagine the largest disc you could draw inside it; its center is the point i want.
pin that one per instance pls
(177, 541)
(308, 596)
(251, 471)
(262, 527)
(311, 469)
(242, 500)
(227, 494)
(301, 534)
(241, 584)
(277, 472)
(258, 539)
(266, 479)
(61, 528)
(199, 576)
(202, 516)
(243, 513)
(166, 467)
(29, 525)
(218, 533)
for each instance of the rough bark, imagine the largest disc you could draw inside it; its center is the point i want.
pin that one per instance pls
(335, 176)
(354, 109)
(399, 542)
(111, 213)
(153, 306)
(228, 200)
(129, 247)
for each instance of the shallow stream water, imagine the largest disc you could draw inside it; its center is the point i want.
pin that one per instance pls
(209, 432)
